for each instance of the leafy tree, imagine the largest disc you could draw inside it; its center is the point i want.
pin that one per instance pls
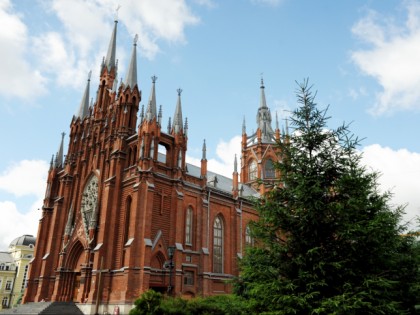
(148, 304)
(328, 241)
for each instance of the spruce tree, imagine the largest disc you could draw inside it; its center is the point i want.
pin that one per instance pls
(328, 241)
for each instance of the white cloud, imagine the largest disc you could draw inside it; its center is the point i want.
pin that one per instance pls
(156, 20)
(27, 177)
(17, 78)
(225, 154)
(15, 223)
(88, 24)
(392, 59)
(400, 174)
(400, 171)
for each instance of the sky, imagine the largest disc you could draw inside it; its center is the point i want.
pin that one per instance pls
(362, 58)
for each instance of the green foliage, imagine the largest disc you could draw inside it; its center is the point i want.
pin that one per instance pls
(329, 241)
(148, 304)
(154, 303)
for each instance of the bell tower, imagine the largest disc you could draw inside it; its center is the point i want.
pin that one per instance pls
(260, 150)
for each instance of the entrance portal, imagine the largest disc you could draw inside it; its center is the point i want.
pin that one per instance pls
(76, 287)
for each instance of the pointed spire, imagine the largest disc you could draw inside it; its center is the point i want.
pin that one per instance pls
(263, 103)
(160, 115)
(243, 127)
(151, 106)
(235, 165)
(52, 162)
(84, 104)
(186, 126)
(142, 114)
(109, 61)
(177, 126)
(264, 118)
(204, 150)
(131, 78)
(287, 127)
(59, 156)
(277, 121)
(169, 125)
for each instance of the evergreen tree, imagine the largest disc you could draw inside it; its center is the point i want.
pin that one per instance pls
(328, 242)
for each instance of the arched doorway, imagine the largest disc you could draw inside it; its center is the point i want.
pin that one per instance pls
(76, 259)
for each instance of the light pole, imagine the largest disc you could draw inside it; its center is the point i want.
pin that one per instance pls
(171, 251)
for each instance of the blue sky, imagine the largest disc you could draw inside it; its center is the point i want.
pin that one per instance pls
(363, 58)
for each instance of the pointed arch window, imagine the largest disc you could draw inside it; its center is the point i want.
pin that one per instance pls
(189, 226)
(127, 219)
(269, 171)
(252, 170)
(218, 245)
(249, 240)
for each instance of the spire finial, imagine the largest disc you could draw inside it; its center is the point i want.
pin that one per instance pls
(235, 165)
(116, 12)
(243, 127)
(179, 91)
(262, 80)
(154, 78)
(277, 121)
(136, 38)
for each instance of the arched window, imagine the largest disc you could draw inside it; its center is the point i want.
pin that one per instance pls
(249, 240)
(188, 226)
(89, 204)
(269, 171)
(218, 245)
(127, 219)
(252, 170)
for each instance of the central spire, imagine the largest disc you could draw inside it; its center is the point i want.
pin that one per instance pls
(264, 118)
(110, 56)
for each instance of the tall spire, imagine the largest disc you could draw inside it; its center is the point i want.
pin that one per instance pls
(243, 126)
(59, 156)
(177, 124)
(131, 78)
(151, 105)
(84, 104)
(263, 103)
(264, 118)
(235, 165)
(110, 56)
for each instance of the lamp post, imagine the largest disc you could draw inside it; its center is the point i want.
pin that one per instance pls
(171, 251)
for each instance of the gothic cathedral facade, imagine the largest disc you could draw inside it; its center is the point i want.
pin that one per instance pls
(124, 212)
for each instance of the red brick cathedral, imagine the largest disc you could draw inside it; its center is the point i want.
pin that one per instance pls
(124, 212)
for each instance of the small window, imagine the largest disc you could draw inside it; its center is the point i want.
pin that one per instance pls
(188, 226)
(269, 170)
(249, 240)
(252, 170)
(5, 301)
(189, 278)
(218, 245)
(8, 285)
